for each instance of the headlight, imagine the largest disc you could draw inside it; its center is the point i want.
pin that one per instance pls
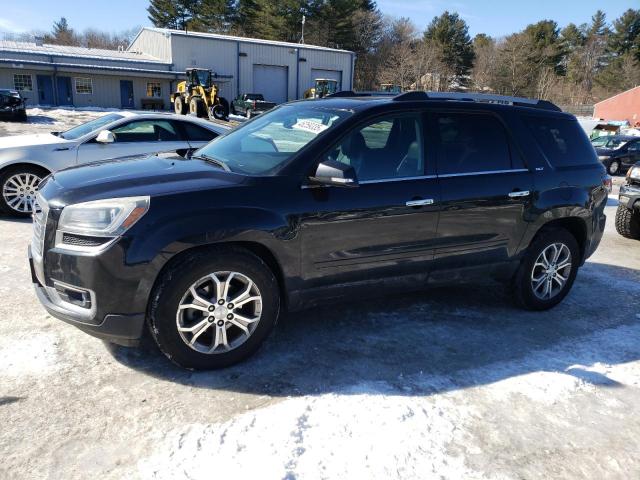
(634, 173)
(103, 218)
(603, 157)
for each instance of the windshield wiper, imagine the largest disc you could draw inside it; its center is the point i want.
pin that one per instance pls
(215, 161)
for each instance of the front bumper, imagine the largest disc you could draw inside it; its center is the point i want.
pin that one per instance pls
(122, 329)
(629, 196)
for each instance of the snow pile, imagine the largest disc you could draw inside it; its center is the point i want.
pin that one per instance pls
(32, 355)
(372, 436)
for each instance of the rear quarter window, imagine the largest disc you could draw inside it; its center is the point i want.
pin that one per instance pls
(562, 141)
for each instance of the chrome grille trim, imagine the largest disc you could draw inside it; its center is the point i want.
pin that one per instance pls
(39, 216)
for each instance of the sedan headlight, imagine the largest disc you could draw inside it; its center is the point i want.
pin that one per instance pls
(634, 172)
(603, 157)
(103, 218)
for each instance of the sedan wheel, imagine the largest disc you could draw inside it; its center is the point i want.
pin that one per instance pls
(19, 192)
(219, 312)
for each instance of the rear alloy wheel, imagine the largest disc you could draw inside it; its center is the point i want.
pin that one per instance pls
(614, 167)
(214, 309)
(547, 271)
(628, 222)
(19, 187)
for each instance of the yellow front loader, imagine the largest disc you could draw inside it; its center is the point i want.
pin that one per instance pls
(198, 96)
(322, 87)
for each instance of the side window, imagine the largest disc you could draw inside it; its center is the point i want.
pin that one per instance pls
(562, 140)
(634, 147)
(196, 133)
(472, 143)
(146, 131)
(385, 149)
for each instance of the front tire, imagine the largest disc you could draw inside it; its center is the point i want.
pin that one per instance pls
(19, 186)
(214, 308)
(547, 271)
(196, 107)
(628, 222)
(179, 106)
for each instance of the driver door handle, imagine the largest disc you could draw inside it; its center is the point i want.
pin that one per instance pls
(420, 202)
(523, 193)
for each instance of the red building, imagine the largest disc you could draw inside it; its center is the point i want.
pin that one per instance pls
(623, 106)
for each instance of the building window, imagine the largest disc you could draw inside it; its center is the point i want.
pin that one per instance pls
(22, 82)
(154, 89)
(84, 86)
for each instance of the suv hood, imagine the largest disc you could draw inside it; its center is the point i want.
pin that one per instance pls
(35, 140)
(134, 176)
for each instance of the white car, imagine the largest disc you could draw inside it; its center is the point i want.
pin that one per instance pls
(27, 159)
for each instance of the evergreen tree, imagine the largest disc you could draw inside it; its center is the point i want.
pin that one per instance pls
(449, 35)
(62, 34)
(625, 37)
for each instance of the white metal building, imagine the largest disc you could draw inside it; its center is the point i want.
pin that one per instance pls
(280, 71)
(145, 73)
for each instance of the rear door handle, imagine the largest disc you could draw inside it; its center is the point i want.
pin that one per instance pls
(420, 203)
(523, 193)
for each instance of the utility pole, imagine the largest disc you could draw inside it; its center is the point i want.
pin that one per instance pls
(304, 19)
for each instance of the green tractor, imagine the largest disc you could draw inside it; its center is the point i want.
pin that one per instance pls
(198, 95)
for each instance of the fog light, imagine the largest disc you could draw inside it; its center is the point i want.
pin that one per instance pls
(73, 295)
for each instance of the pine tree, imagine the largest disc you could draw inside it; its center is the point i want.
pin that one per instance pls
(163, 13)
(62, 34)
(625, 37)
(450, 36)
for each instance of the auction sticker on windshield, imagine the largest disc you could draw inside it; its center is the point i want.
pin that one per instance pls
(310, 126)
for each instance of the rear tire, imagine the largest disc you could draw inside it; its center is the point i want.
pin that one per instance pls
(628, 222)
(179, 106)
(18, 186)
(173, 318)
(528, 292)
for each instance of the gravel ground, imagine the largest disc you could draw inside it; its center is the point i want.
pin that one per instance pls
(450, 383)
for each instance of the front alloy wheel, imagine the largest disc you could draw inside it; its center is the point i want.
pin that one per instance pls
(214, 307)
(219, 312)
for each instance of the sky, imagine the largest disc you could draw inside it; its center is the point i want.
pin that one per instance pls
(494, 17)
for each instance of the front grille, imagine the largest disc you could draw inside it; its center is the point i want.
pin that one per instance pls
(40, 213)
(82, 240)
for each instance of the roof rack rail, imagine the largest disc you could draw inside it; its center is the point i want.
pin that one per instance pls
(350, 93)
(477, 97)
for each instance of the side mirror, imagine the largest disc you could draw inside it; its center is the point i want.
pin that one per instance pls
(105, 136)
(335, 173)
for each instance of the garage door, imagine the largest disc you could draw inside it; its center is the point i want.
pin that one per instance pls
(328, 74)
(271, 81)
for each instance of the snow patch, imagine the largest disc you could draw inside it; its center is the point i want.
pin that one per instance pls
(33, 355)
(372, 436)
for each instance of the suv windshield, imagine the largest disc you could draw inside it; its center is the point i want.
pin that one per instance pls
(93, 125)
(263, 145)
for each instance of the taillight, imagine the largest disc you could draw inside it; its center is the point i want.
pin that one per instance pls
(607, 181)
